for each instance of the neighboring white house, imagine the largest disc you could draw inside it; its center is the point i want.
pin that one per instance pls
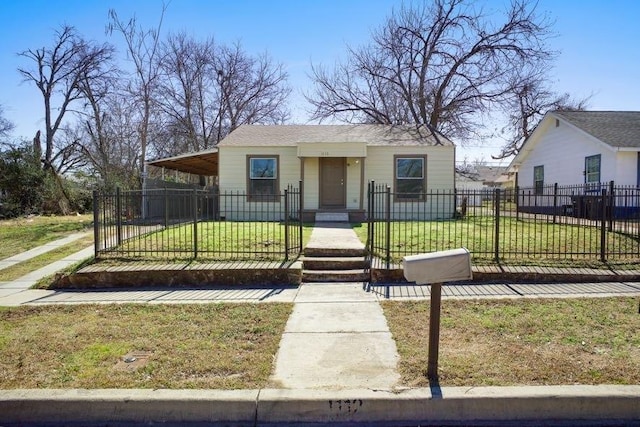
(582, 149)
(332, 164)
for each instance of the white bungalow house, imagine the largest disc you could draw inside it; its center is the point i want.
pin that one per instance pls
(582, 149)
(332, 164)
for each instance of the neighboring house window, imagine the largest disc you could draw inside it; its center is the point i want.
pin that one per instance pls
(538, 179)
(592, 172)
(262, 182)
(410, 174)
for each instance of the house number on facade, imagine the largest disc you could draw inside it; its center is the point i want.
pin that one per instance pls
(324, 153)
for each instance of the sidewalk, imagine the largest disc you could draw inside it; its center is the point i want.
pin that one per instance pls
(32, 253)
(336, 338)
(25, 282)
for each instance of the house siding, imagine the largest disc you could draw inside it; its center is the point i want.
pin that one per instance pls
(553, 151)
(353, 182)
(378, 166)
(440, 160)
(440, 176)
(626, 168)
(311, 187)
(233, 178)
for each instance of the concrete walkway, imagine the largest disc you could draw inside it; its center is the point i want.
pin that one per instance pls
(28, 280)
(37, 251)
(336, 338)
(334, 235)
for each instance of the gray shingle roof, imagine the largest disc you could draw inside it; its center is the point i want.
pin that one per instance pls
(292, 135)
(615, 128)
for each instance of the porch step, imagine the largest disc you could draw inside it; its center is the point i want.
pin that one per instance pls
(332, 217)
(341, 268)
(335, 263)
(324, 252)
(358, 275)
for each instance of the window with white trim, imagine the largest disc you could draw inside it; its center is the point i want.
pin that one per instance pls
(262, 180)
(592, 171)
(410, 177)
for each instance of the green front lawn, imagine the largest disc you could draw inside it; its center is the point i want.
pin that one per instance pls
(520, 241)
(219, 240)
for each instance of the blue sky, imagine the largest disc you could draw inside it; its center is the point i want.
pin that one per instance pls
(598, 41)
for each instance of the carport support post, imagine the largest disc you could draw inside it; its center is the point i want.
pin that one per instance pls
(195, 223)
(434, 331)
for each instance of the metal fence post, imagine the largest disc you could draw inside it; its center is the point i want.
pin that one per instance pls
(118, 217)
(195, 223)
(387, 242)
(286, 224)
(603, 227)
(555, 201)
(300, 219)
(517, 197)
(370, 215)
(497, 230)
(611, 204)
(96, 224)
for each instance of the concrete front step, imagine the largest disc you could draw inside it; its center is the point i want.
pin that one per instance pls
(324, 252)
(357, 275)
(334, 263)
(332, 217)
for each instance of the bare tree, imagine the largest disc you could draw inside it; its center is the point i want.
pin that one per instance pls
(252, 89)
(56, 72)
(143, 50)
(208, 90)
(443, 64)
(530, 100)
(189, 92)
(105, 135)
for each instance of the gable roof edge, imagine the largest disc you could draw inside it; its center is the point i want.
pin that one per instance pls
(534, 137)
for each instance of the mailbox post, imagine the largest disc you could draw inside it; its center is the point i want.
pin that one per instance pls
(433, 269)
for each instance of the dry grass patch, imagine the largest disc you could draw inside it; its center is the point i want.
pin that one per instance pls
(222, 346)
(521, 342)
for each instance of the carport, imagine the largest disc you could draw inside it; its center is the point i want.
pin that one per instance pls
(202, 163)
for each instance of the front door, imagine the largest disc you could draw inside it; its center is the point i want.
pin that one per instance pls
(332, 183)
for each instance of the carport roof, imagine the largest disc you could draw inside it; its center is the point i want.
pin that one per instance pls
(201, 163)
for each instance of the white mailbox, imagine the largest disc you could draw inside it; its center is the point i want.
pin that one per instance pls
(438, 267)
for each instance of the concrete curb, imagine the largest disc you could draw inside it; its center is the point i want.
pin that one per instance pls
(552, 405)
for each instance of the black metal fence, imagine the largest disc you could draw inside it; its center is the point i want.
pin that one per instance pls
(551, 223)
(197, 224)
